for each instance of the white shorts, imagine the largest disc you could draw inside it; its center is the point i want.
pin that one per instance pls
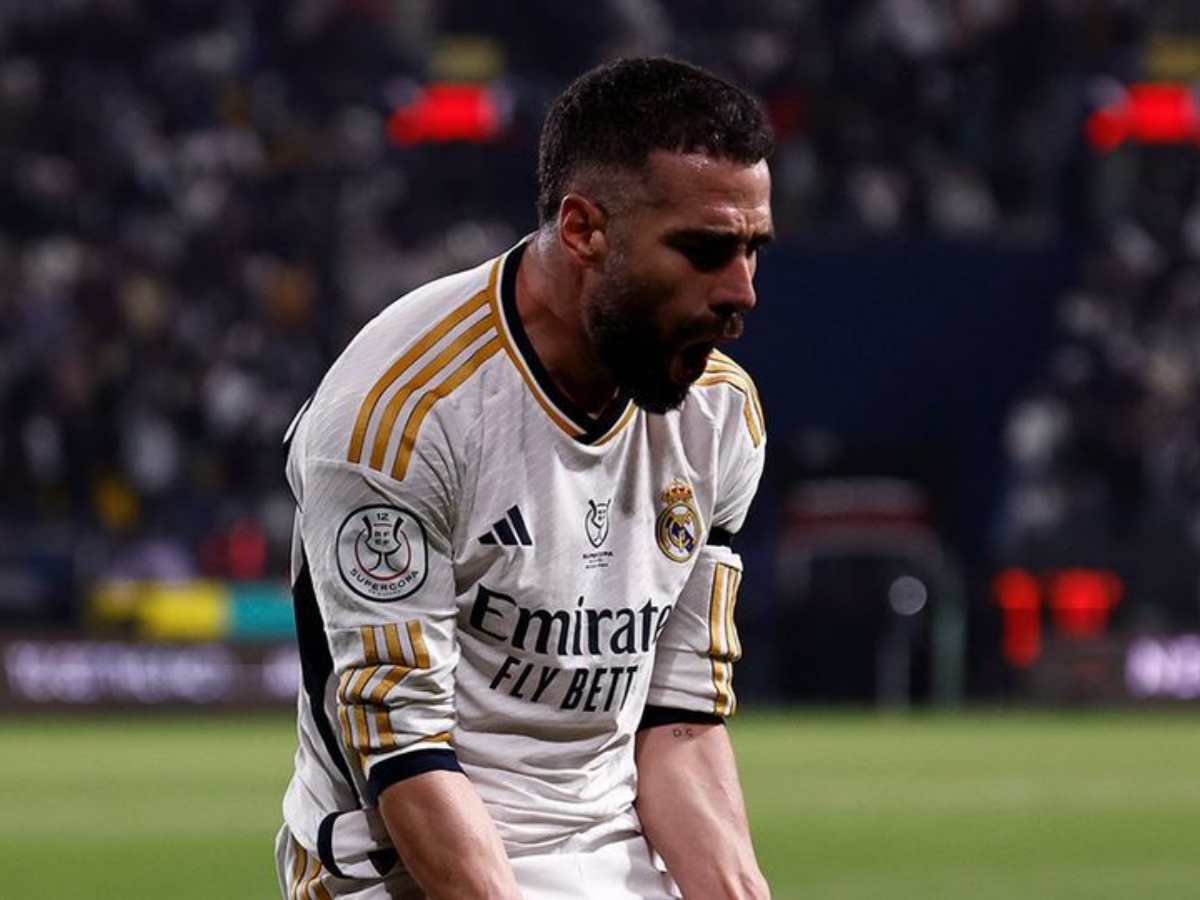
(622, 870)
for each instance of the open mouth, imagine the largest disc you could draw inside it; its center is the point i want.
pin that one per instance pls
(694, 359)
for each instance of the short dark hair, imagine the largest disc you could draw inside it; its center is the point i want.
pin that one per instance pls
(617, 113)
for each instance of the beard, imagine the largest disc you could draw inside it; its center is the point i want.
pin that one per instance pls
(620, 323)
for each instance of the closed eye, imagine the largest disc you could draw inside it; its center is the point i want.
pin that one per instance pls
(708, 256)
(709, 251)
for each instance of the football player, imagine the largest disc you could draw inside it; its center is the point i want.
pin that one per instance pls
(517, 492)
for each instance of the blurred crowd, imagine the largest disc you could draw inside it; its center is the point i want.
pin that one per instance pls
(1106, 446)
(200, 206)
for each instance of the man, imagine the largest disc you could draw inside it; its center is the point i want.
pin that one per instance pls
(516, 493)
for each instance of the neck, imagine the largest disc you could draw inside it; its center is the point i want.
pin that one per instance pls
(550, 303)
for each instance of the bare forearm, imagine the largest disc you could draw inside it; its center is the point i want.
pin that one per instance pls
(446, 838)
(693, 814)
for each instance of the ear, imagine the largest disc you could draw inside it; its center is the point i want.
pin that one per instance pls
(582, 229)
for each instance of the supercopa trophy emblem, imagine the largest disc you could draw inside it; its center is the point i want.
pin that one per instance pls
(385, 548)
(381, 552)
(595, 522)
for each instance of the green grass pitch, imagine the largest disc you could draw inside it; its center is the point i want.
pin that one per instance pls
(844, 806)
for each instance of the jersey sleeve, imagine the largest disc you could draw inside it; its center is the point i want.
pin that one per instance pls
(378, 552)
(696, 653)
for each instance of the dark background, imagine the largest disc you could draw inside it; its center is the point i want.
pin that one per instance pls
(976, 341)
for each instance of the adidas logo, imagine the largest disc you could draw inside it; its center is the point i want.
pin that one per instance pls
(509, 531)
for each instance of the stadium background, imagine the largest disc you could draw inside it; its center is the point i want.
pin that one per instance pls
(972, 602)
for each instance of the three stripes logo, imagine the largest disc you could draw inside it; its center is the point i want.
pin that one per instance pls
(509, 531)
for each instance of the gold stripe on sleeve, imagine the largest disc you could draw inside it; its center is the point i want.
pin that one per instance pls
(355, 718)
(350, 715)
(370, 652)
(735, 643)
(417, 639)
(383, 728)
(343, 685)
(312, 884)
(405, 362)
(716, 602)
(305, 879)
(350, 695)
(409, 439)
(395, 652)
(755, 440)
(719, 374)
(762, 416)
(719, 362)
(354, 694)
(393, 676)
(312, 871)
(299, 867)
(721, 704)
(361, 736)
(752, 393)
(344, 721)
(723, 360)
(427, 373)
(756, 433)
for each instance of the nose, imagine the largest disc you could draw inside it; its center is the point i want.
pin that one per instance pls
(735, 291)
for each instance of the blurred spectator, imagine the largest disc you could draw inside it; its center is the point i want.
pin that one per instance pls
(1105, 452)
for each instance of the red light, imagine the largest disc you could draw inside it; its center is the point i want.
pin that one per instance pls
(1149, 114)
(1079, 599)
(1082, 599)
(1163, 113)
(446, 112)
(1019, 596)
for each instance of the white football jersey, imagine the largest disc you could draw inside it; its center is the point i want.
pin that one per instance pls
(486, 575)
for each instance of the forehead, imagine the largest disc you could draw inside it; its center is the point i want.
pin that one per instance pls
(701, 191)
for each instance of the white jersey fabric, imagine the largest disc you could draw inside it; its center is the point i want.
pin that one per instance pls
(486, 575)
(620, 870)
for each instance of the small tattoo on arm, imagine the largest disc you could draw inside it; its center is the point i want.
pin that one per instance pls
(682, 731)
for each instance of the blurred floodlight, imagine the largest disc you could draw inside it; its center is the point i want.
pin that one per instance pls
(907, 595)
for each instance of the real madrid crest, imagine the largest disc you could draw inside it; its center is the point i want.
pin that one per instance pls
(679, 528)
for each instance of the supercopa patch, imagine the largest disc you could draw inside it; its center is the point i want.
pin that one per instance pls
(382, 553)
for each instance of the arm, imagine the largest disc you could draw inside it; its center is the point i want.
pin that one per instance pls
(687, 774)
(689, 799)
(446, 838)
(380, 556)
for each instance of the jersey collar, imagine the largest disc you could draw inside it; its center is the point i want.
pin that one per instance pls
(557, 405)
